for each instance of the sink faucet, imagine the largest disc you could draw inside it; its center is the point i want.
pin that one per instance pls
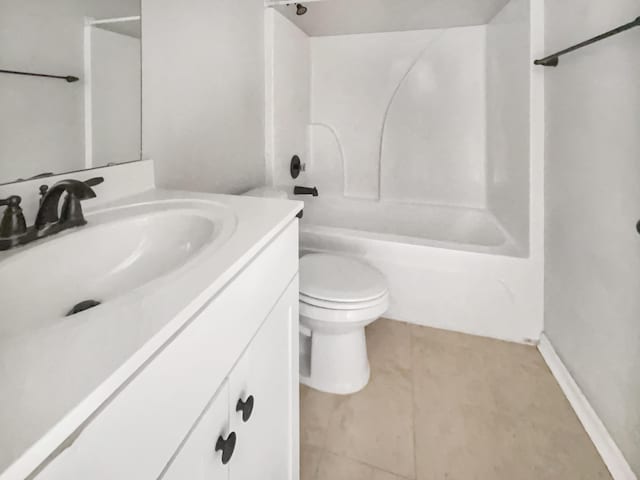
(13, 229)
(71, 212)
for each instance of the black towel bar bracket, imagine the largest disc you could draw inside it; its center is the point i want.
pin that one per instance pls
(553, 60)
(68, 78)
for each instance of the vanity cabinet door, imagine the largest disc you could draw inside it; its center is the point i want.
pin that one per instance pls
(197, 458)
(263, 397)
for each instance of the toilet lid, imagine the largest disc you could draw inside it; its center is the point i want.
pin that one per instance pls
(339, 279)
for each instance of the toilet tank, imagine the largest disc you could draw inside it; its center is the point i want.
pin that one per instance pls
(267, 192)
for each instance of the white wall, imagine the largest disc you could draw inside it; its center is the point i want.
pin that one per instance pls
(592, 271)
(203, 93)
(42, 120)
(115, 97)
(289, 104)
(411, 100)
(508, 118)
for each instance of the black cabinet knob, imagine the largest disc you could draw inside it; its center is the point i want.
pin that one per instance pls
(226, 447)
(245, 407)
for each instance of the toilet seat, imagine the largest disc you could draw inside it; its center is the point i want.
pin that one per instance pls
(333, 281)
(318, 302)
(338, 319)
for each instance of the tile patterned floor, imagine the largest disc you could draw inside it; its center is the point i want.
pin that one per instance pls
(443, 405)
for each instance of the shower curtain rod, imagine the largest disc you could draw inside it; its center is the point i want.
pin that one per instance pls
(553, 60)
(68, 78)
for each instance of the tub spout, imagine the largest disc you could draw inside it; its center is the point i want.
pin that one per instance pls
(305, 191)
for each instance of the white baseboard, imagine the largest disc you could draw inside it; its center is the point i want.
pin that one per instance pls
(609, 451)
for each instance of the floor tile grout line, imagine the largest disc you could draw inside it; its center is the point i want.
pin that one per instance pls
(360, 462)
(323, 443)
(325, 435)
(316, 473)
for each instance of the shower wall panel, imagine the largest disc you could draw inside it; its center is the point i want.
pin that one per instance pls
(400, 116)
(508, 118)
(288, 71)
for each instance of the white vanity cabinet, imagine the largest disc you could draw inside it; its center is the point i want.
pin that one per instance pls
(166, 420)
(197, 459)
(269, 435)
(248, 420)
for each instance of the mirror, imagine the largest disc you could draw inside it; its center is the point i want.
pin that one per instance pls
(70, 86)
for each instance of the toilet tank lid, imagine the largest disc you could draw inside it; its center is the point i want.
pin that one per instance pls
(266, 192)
(338, 278)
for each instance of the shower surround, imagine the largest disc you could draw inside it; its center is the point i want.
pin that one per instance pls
(419, 143)
(388, 110)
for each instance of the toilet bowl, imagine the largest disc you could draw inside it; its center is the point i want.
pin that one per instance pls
(339, 297)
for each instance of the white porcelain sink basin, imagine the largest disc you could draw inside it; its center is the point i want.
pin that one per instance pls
(118, 252)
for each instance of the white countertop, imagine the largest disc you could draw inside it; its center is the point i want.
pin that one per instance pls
(53, 379)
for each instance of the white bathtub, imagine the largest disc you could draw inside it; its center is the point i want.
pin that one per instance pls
(447, 267)
(430, 225)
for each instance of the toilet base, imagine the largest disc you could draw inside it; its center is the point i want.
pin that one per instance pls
(338, 362)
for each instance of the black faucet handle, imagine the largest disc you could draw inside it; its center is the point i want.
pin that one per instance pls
(13, 221)
(12, 202)
(92, 182)
(43, 191)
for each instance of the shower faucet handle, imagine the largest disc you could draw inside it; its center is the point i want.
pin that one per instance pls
(296, 166)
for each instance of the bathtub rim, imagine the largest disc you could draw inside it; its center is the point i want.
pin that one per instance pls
(509, 248)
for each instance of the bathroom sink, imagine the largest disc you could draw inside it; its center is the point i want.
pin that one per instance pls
(120, 251)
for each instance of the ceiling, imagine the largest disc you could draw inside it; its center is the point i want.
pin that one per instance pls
(338, 17)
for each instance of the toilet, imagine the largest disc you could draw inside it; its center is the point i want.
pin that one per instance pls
(266, 192)
(339, 297)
